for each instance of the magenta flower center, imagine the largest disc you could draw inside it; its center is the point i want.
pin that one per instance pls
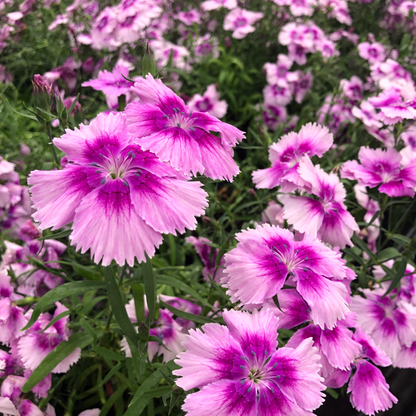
(204, 105)
(204, 49)
(258, 369)
(372, 52)
(281, 71)
(387, 173)
(118, 168)
(181, 120)
(103, 22)
(128, 21)
(240, 22)
(290, 258)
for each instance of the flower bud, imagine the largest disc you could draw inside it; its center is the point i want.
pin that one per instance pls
(42, 93)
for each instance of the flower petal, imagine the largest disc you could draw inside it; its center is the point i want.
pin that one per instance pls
(210, 356)
(217, 159)
(222, 398)
(107, 223)
(325, 297)
(256, 332)
(175, 146)
(370, 380)
(167, 204)
(58, 188)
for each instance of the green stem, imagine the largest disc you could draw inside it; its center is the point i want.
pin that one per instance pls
(49, 133)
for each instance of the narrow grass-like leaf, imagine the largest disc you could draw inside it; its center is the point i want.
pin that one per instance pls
(363, 246)
(186, 315)
(86, 272)
(112, 399)
(223, 249)
(62, 234)
(178, 284)
(111, 373)
(399, 274)
(138, 295)
(149, 287)
(147, 385)
(117, 305)
(111, 355)
(60, 292)
(56, 319)
(387, 254)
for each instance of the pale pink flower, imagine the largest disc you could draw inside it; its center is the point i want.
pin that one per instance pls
(241, 22)
(279, 74)
(189, 17)
(373, 52)
(286, 154)
(37, 342)
(367, 114)
(268, 257)
(209, 5)
(384, 168)
(326, 216)
(209, 102)
(239, 371)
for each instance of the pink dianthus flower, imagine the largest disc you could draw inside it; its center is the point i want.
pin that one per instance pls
(37, 342)
(239, 370)
(286, 154)
(164, 125)
(111, 83)
(209, 102)
(241, 22)
(391, 323)
(268, 257)
(327, 215)
(382, 167)
(119, 197)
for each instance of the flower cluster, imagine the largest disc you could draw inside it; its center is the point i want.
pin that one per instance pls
(302, 282)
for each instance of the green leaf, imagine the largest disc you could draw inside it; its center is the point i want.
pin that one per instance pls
(399, 274)
(112, 399)
(86, 272)
(362, 279)
(149, 287)
(186, 315)
(73, 104)
(111, 355)
(138, 295)
(111, 373)
(135, 404)
(25, 115)
(223, 249)
(148, 62)
(387, 254)
(117, 305)
(399, 239)
(88, 328)
(59, 353)
(60, 292)
(138, 407)
(363, 246)
(62, 234)
(56, 319)
(353, 255)
(332, 393)
(178, 284)
(276, 302)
